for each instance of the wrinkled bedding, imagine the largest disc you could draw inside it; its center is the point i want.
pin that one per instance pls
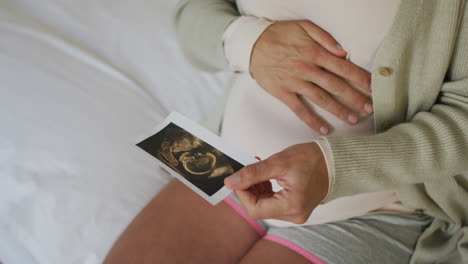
(80, 82)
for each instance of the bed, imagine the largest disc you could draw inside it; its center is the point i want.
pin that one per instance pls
(81, 81)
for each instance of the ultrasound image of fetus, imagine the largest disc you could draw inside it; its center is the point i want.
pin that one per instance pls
(192, 158)
(176, 141)
(198, 163)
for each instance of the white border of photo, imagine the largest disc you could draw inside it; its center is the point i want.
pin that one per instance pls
(211, 139)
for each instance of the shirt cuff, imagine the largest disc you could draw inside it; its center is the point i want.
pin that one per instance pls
(240, 38)
(327, 153)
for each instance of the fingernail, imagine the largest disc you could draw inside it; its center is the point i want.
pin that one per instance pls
(232, 180)
(368, 108)
(324, 130)
(352, 118)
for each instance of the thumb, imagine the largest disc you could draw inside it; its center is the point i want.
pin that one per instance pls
(251, 175)
(263, 207)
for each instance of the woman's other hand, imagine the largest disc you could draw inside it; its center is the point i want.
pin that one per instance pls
(301, 171)
(292, 59)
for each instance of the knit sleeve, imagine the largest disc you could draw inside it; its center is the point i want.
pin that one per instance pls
(200, 25)
(431, 146)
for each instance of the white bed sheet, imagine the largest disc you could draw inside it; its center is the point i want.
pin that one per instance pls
(80, 82)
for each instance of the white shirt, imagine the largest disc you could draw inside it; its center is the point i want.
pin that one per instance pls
(262, 125)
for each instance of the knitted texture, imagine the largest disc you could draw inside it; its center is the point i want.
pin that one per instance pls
(200, 25)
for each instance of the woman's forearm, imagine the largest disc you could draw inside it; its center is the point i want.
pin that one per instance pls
(200, 25)
(432, 145)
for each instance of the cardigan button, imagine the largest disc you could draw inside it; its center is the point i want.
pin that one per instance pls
(384, 71)
(387, 125)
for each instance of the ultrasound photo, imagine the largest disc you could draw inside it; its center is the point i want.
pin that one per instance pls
(190, 157)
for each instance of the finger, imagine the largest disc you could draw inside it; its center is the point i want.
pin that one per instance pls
(347, 70)
(248, 200)
(300, 108)
(323, 38)
(325, 101)
(253, 174)
(338, 87)
(262, 208)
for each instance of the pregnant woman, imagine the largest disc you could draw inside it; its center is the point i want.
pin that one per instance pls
(359, 110)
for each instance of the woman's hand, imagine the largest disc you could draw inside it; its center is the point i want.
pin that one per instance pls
(300, 170)
(292, 59)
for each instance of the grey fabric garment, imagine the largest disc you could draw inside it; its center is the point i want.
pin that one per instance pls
(379, 238)
(383, 238)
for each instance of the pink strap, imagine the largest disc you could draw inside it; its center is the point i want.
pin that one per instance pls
(282, 241)
(296, 248)
(243, 213)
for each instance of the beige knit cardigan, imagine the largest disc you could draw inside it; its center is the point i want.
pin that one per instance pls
(420, 149)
